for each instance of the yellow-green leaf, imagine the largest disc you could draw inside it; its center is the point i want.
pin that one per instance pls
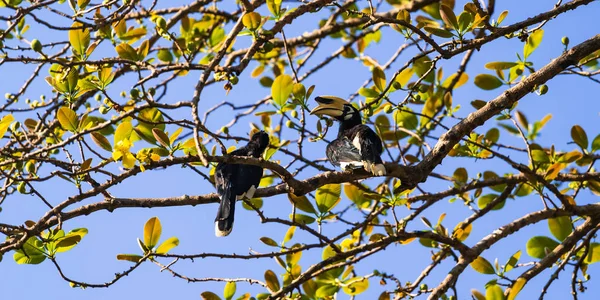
(379, 79)
(533, 41)
(328, 196)
(448, 16)
(302, 203)
(494, 292)
(229, 290)
(281, 89)
(79, 39)
(438, 31)
(129, 257)
(512, 261)
(67, 118)
(5, 123)
(516, 288)
(209, 296)
(487, 82)
(269, 241)
(123, 131)
(167, 245)
(272, 281)
(355, 286)
(161, 137)
(152, 231)
(538, 246)
(125, 51)
(560, 227)
(483, 266)
(579, 136)
(251, 20)
(500, 65)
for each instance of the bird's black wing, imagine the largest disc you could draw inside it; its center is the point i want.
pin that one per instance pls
(341, 150)
(370, 143)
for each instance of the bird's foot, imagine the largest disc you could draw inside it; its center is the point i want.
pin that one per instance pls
(375, 169)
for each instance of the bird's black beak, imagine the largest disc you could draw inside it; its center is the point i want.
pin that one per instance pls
(330, 106)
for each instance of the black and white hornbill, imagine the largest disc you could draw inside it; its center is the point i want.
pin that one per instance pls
(357, 145)
(238, 181)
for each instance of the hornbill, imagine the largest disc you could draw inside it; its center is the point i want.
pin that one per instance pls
(356, 145)
(238, 181)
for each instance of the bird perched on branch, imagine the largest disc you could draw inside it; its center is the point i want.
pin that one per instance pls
(238, 181)
(357, 145)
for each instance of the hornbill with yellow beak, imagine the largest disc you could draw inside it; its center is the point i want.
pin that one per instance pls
(357, 145)
(238, 181)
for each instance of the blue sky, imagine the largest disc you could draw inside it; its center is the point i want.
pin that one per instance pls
(571, 100)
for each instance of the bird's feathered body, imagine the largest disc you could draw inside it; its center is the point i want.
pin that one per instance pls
(237, 181)
(357, 145)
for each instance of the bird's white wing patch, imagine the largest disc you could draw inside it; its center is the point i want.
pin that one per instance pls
(356, 142)
(249, 194)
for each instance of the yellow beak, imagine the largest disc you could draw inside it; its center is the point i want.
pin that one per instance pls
(329, 106)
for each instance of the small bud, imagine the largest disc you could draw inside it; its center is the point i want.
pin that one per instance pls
(294, 114)
(8, 96)
(103, 109)
(21, 187)
(289, 124)
(36, 45)
(225, 130)
(519, 72)
(388, 109)
(134, 93)
(161, 23)
(15, 126)
(565, 41)
(543, 89)
(123, 94)
(42, 97)
(423, 287)
(97, 97)
(151, 91)
(30, 167)
(234, 80)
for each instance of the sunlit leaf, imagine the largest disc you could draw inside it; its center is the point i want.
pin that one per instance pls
(538, 246)
(560, 227)
(483, 266)
(167, 245)
(152, 231)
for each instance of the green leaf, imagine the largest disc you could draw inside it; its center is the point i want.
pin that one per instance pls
(368, 92)
(274, 7)
(281, 89)
(500, 65)
(31, 253)
(106, 76)
(302, 203)
(209, 296)
(142, 50)
(460, 176)
(101, 141)
(302, 219)
(595, 142)
(540, 156)
(448, 16)
(516, 288)
(79, 39)
(229, 290)
(355, 194)
(406, 119)
(268, 241)
(125, 51)
(272, 281)
(164, 55)
(560, 227)
(326, 291)
(464, 21)
(533, 41)
(537, 246)
(355, 285)
(483, 266)
(67, 242)
(494, 292)
(167, 245)
(379, 79)
(579, 136)
(5, 123)
(487, 199)
(493, 135)
(152, 231)
(328, 196)
(487, 82)
(593, 255)
(439, 32)
(67, 118)
(217, 36)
